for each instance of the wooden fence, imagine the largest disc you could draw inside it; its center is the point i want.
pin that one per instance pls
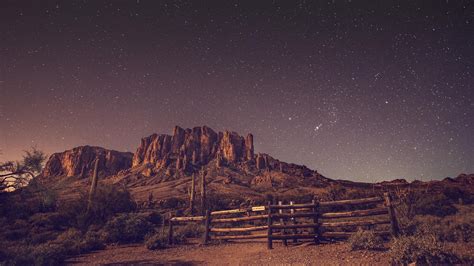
(316, 221)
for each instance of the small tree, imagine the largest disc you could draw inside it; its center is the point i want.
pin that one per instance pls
(14, 175)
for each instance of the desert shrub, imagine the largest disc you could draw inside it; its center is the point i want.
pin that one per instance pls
(456, 228)
(264, 199)
(42, 237)
(458, 195)
(365, 240)
(336, 192)
(47, 200)
(153, 217)
(359, 194)
(44, 254)
(190, 230)
(108, 201)
(91, 241)
(126, 228)
(437, 205)
(53, 221)
(420, 249)
(179, 237)
(156, 241)
(70, 241)
(47, 254)
(173, 203)
(219, 201)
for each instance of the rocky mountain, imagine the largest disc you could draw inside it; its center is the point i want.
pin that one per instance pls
(192, 147)
(163, 161)
(163, 165)
(80, 162)
(187, 150)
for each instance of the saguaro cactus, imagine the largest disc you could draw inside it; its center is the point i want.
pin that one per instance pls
(192, 193)
(203, 191)
(93, 185)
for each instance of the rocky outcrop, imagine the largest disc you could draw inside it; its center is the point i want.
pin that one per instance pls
(193, 147)
(162, 157)
(80, 162)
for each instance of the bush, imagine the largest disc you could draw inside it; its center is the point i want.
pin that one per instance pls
(458, 195)
(456, 228)
(420, 249)
(91, 241)
(173, 203)
(127, 228)
(437, 205)
(190, 230)
(365, 240)
(156, 241)
(44, 254)
(53, 221)
(70, 241)
(108, 201)
(43, 237)
(48, 254)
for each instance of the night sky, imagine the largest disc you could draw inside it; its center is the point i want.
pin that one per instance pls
(361, 90)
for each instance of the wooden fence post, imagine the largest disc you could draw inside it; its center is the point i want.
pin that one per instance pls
(207, 225)
(316, 220)
(269, 223)
(191, 196)
(282, 222)
(170, 231)
(391, 213)
(293, 220)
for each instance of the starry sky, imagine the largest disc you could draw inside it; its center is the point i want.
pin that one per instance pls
(360, 90)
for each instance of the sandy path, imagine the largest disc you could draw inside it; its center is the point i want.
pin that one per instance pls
(241, 253)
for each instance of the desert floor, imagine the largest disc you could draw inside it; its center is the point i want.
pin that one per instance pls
(236, 253)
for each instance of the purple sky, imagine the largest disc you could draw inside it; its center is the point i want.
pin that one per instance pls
(363, 91)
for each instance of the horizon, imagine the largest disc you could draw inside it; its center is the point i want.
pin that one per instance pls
(357, 92)
(257, 151)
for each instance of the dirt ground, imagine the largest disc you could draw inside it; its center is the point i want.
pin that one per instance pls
(236, 253)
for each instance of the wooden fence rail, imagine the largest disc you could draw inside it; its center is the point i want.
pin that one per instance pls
(315, 221)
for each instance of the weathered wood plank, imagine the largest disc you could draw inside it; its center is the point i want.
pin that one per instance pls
(293, 226)
(293, 236)
(188, 219)
(293, 215)
(351, 202)
(354, 223)
(391, 213)
(240, 219)
(239, 229)
(294, 206)
(242, 210)
(255, 236)
(359, 213)
(348, 234)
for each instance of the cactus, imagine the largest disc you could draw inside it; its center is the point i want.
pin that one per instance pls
(192, 193)
(93, 185)
(218, 160)
(203, 191)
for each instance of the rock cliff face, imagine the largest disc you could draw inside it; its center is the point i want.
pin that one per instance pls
(80, 162)
(186, 151)
(193, 147)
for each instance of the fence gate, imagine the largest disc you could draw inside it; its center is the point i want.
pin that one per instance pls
(316, 221)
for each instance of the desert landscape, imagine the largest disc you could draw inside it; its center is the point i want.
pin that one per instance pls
(150, 207)
(182, 132)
